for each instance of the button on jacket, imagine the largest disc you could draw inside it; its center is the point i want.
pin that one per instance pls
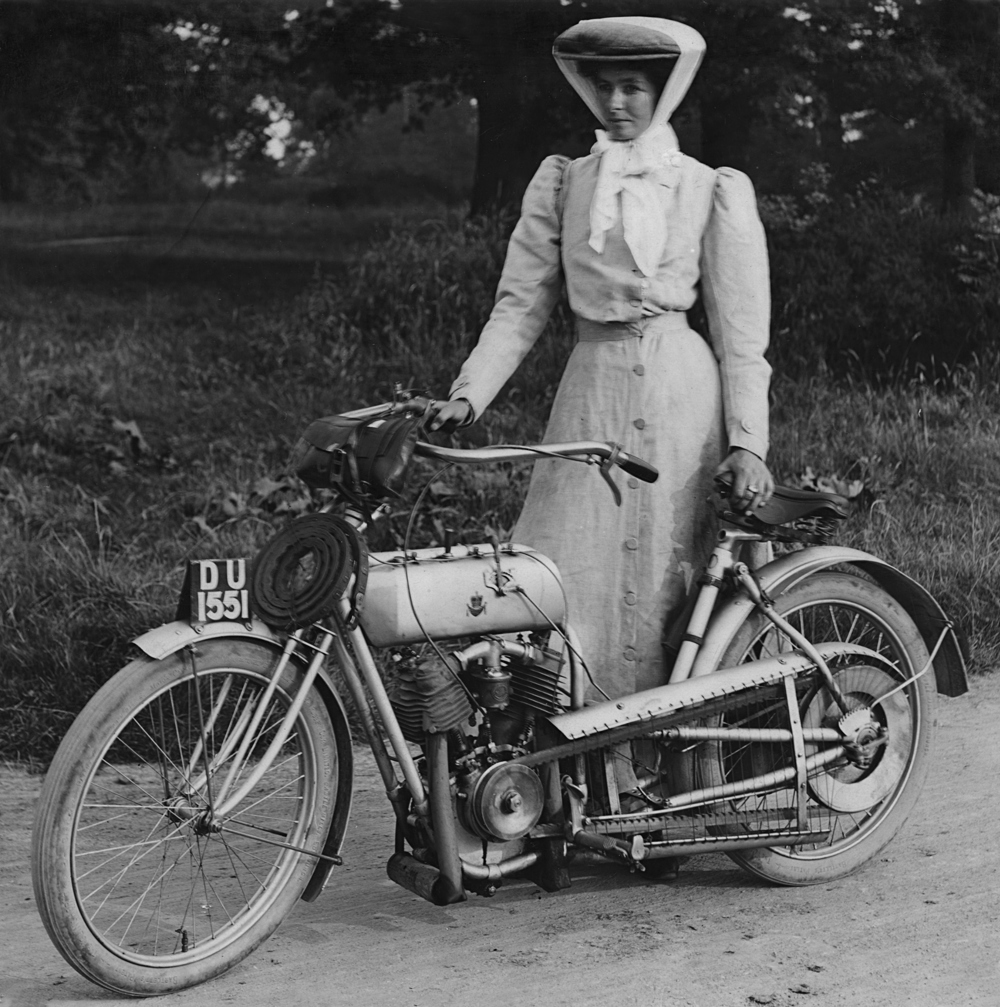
(641, 377)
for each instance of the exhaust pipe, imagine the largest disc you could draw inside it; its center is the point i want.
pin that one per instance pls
(423, 880)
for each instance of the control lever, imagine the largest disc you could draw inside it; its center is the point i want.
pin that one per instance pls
(606, 473)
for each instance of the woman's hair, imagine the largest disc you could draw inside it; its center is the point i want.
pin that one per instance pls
(656, 71)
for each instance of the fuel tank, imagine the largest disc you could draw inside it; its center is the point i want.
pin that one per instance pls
(467, 591)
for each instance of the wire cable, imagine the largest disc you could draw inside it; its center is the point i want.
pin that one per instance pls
(579, 657)
(409, 591)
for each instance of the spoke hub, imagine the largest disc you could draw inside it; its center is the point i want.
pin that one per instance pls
(181, 808)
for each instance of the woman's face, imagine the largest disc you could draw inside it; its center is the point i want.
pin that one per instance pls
(627, 98)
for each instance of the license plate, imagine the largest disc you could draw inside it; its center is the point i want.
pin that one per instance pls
(217, 591)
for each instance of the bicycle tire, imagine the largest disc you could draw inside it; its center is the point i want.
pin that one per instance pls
(137, 888)
(832, 606)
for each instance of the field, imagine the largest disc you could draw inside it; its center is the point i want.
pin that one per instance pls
(153, 383)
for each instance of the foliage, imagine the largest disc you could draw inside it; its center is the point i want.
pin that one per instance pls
(797, 75)
(97, 100)
(95, 97)
(149, 416)
(877, 284)
(442, 276)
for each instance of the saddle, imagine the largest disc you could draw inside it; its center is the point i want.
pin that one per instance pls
(791, 515)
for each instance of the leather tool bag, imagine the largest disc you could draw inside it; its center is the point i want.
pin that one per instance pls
(361, 457)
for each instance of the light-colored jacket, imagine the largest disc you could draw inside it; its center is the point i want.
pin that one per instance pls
(714, 236)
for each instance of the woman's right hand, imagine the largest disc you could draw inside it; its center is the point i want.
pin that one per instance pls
(448, 416)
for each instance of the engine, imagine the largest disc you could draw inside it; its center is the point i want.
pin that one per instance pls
(486, 697)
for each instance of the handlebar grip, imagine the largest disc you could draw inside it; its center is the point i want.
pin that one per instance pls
(638, 468)
(723, 483)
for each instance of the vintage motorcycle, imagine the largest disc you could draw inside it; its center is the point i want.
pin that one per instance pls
(206, 787)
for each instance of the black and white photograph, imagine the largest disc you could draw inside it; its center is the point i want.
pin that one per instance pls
(499, 503)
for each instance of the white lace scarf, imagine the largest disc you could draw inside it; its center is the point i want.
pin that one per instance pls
(634, 169)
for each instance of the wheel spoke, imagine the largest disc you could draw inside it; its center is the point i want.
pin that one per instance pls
(129, 857)
(854, 806)
(142, 894)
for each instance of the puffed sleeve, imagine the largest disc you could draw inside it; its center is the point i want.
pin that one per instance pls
(737, 294)
(528, 291)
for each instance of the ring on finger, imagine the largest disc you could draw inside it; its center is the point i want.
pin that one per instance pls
(751, 491)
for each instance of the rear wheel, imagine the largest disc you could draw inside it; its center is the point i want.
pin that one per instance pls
(140, 886)
(860, 810)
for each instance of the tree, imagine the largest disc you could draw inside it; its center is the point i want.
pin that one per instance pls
(99, 93)
(931, 64)
(104, 90)
(496, 51)
(969, 59)
(761, 56)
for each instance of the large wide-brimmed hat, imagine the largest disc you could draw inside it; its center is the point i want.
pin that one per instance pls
(617, 39)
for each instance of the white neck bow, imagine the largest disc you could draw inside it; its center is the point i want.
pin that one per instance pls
(628, 181)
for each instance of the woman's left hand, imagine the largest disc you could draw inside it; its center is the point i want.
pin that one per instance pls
(752, 484)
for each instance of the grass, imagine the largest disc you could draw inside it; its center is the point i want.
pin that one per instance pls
(929, 460)
(149, 401)
(218, 225)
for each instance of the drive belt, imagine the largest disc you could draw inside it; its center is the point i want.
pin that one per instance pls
(302, 573)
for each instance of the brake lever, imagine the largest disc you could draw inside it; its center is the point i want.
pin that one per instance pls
(606, 475)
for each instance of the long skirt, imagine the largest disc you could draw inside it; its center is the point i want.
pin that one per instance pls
(652, 387)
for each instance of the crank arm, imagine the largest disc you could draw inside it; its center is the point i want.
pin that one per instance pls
(613, 849)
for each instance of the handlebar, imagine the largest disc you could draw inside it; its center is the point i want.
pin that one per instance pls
(417, 405)
(635, 466)
(608, 453)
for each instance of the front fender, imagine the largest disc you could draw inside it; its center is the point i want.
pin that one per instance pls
(167, 639)
(784, 573)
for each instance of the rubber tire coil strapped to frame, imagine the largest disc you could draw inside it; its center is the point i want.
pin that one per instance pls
(302, 573)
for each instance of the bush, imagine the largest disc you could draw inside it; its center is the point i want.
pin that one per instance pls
(412, 308)
(878, 286)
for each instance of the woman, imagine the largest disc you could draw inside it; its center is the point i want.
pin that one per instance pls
(631, 230)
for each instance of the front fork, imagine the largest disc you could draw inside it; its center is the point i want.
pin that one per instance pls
(224, 797)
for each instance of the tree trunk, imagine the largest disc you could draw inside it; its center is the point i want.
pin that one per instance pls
(508, 150)
(958, 165)
(726, 130)
(968, 32)
(8, 190)
(512, 137)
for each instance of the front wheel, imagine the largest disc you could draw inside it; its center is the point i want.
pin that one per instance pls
(141, 887)
(859, 809)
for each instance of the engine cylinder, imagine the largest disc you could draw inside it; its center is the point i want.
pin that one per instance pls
(492, 686)
(429, 699)
(536, 684)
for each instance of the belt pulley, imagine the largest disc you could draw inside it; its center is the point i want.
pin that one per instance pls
(302, 573)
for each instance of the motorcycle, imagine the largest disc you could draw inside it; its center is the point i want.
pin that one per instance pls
(206, 787)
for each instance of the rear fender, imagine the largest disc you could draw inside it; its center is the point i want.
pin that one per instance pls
(171, 637)
(783, 574)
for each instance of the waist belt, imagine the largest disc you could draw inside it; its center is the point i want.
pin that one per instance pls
(596, 332)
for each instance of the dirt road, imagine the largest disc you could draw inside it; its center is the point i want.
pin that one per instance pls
(918, 926)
